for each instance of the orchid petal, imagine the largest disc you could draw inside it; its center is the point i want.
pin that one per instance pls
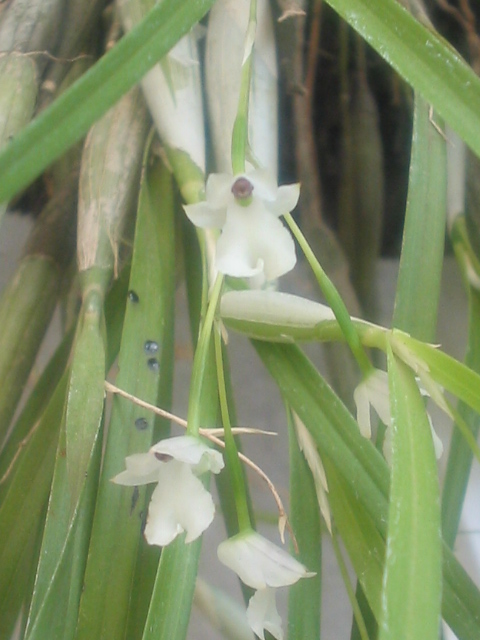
(191, 451)
(252, 239)
(262, 614)
(204, 216)
(142, 468)
(264, 184)
(179, 503)
(372, 391)
(286, 200)
(259, 563)
(219, 190)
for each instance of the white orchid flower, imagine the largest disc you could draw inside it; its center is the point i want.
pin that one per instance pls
(374, 392)
(262, 565)
(179, 502)
(247, 208)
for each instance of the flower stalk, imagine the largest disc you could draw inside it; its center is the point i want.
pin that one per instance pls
(333, 299)
(233, 463)
(240, 127)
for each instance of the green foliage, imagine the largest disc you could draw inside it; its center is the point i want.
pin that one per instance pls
(74, 564)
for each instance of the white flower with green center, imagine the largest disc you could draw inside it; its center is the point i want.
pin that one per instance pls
(262, 565)
(374, 392)
(247, 208)
(179, 502)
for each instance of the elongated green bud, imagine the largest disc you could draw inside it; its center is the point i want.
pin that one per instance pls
(109, 179)
(226, 41)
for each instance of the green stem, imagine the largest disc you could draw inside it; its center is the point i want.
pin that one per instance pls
(200, 360)
(240, 127)
(333, 300)
(231, 453)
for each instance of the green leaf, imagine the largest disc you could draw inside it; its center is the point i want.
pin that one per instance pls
(451, 374)
(29, 478)
(460, 454)
(413, 563)
(362, 540)
(172, 597)
(26, 308)
(59, 579)
(84, 408)
(71, 115)
(420, 271)
(424, 59)
(147, 335)
(361, 466)
(304, 596)
(24, 504)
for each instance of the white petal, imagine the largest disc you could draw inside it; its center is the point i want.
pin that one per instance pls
(142, 468)
(252, 236)
(219, 190)
(259, 563)
(372, 391)
(204, 216)
(363, 410)
(262, 614)
(192, 451)
(179, 503)
(264, 184)
(379, 393)
(286, 200)
(235, 254)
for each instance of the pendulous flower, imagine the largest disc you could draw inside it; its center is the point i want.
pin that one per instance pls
(374, 392)
(262, 565)
(179, 502)
(247, 208)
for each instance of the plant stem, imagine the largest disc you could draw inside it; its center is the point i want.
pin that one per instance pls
(333, 300)
(233, 462)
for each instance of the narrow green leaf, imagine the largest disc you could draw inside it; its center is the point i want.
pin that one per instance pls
(304, 596)
(26, 308)
(420, 271)
(29, 477)
(460, 454)
(84, 409)
(34, 407)
(25, 501)
(71, 115)
(362, 540)
(426, 61)
(59, 581)
(14, 604)
(451, 374)
(147, 340)
(172, 597)
(412, 584)
(361, 466)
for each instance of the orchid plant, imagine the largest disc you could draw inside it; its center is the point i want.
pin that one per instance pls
(103, 508)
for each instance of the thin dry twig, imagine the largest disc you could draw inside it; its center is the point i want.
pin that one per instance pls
(212, 435)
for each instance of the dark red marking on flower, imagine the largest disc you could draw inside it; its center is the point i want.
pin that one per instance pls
(163, 457)
(242, 188)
